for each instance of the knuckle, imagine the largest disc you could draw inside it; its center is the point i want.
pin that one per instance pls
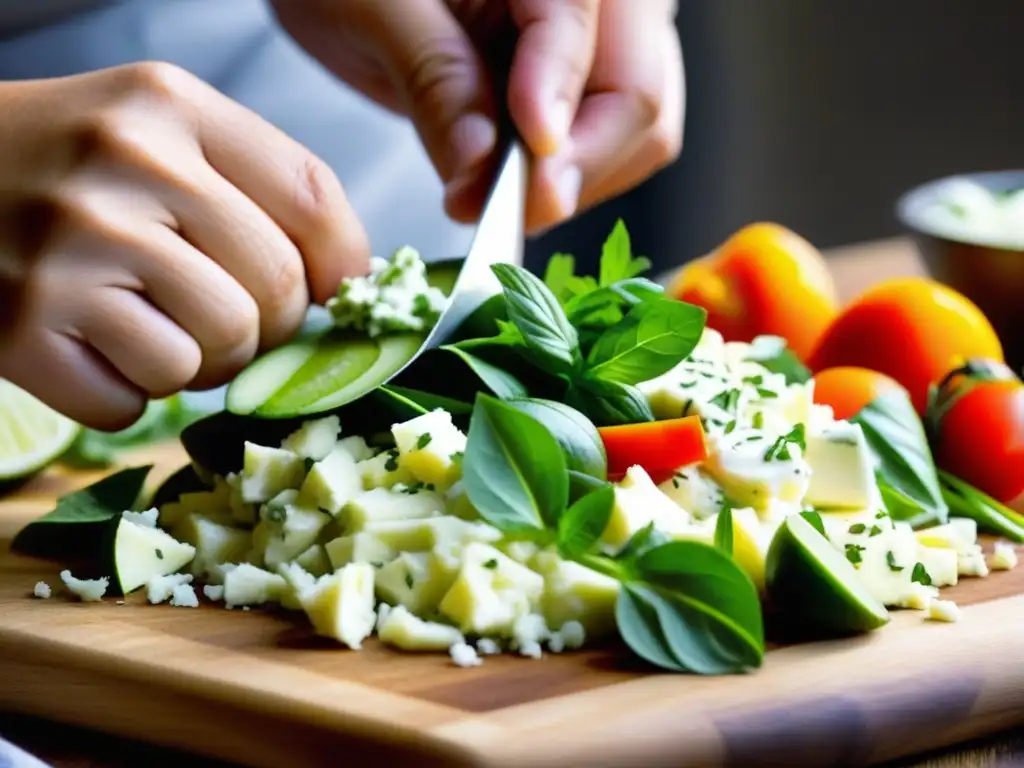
(316, 189)
(180, 369)
(106, 136)
(158, 79)
(236, 339)
(286, 288)
(435, 72)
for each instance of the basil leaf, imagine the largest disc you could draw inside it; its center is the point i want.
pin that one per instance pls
(710, 581)
(501, 383)
(651, 340)
(560, 269)
(640, 628)
(513, 469)
(617, 262)
(580, 484)
(584, 522)
(896, 437)
(534, 310)
(508, 336)
(608, 403)
(604, 307)
(580, 441)
(70, 530)
(723, 531)
(771, 353)
(815, 520)
(646, 538)
(426, 401)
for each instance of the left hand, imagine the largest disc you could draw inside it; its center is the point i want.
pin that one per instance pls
(596, 88)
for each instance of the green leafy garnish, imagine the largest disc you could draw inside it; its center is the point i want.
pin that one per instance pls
(423, 441)
(723, 530)
(890, 559)
(576, 434)
(608, 403)
(920, 575)
(991, 515)
(502, 383)
(853, 553)
(584, 522)
(906, 471)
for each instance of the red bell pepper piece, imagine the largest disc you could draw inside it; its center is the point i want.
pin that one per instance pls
(660, 447)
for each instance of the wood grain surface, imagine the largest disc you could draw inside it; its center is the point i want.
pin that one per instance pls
(256, 688)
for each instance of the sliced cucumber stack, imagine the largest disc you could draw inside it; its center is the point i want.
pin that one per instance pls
(325, 369)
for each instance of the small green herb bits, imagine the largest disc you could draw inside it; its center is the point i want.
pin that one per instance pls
(513, 470)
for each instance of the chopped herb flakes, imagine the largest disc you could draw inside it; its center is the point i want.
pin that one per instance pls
(857, 528)
(491, 564)
(424, 441)
(920, 575)
(853, 553)
(890, 558)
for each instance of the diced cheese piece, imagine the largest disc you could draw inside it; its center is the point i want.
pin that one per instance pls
(972, 562)
(917, 597)
(490, 592)
(944, 610)
(573, 592)
(246, 584)
(415, 580)
(299, 582)
(160, 589)
(842, 468)
(141, 552)
(213, 592)
(638, 503)
(214, 542)
(383, 471)
(940, 563)
(356, 447)
(1004, 557)
(184, 596)
(404, 630)
(428, 446)
(464, 655)
(398, 503)
(520, 551)
(340, 606)
(315, 560)
(285, 530)
(752, 470)
(966, 527)
(528, 632)
(241, 511)
(42, 590)
(573, 635)
(359, 547)
(487, 646)
(268, 471)
(215, 504)
(694, 491)
(957, 537)
(331, 483)
(86, 590)
(147, 519)
(430, 533)
(314, 439)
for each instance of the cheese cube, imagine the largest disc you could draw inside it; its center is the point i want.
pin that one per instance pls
(285, 530)
(573, 592)
(315, 560)
(268, 471)
(428, 446)
(403, 630)
(356, 447)
(331, 483)
(406, 581)
(398, 503)
(214, 542)
(383, 471)
(694, 491)
(340, 606)
(842, 468)
(359, 547)
(246, 584)
(430, 533)
(1004, 557)
(314, 439)
(638, 503)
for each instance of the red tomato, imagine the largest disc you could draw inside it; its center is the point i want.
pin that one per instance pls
(848, 389)
(978, 431)
(660, 447)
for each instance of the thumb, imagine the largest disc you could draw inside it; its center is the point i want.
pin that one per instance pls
(441, 81)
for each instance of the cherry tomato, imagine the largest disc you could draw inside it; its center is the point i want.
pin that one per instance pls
(848, 389)
(977, 425)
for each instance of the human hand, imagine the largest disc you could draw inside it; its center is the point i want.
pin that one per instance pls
(596, 87)
(154, 235)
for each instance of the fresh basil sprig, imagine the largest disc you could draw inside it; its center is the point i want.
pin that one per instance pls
(617, 260)
(723, 530)
(608, 403)
(578, 437)
(499, 381)
(905, 468)
(683, 605)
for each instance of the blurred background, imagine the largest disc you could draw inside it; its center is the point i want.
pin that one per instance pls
(818, 115)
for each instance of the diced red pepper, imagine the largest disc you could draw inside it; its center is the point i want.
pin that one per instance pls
(660, 447)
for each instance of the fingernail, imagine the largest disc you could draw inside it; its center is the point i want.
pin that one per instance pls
(568, 186)
(472, 139)
(559, 120)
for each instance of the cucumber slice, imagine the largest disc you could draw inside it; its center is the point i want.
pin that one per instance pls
(141, 553)
(320, 371)
(32, 435)
(815, 587)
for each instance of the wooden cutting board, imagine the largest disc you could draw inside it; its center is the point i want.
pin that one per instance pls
(257, 688)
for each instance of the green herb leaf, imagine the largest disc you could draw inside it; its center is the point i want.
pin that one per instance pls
(646, 538)
(617, 262)
(896, 437)
(771, 353)
(723, 530)
(815, 520)
(640, 628)
(560, 269)
(576, 434)
(70, 530)
(652, 339)
(920, 575)
(707, 611)
(423, 441)
(584, 522)
(853, 554)
(426, 401)
(890, 560)
(508, 336)
(535, 311)
(580, 484)
(500, 382)
(608, 403)
(513, 470)
(858, 528)
(991, 515)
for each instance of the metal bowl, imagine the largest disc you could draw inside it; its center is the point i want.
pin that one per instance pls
(989, 273)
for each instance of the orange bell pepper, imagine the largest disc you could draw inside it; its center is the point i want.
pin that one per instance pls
(659, 447)
(764, 279)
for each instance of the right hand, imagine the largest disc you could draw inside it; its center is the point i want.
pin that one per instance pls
(154, 235)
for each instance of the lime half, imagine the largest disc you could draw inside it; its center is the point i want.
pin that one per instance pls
(32, 434)
(815, 586)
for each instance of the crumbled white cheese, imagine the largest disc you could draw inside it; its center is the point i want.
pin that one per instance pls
(160, 589)
(383, 610)
(184, 596)
(146, 519)
(973, 562)
(42, 590)
(486, 646)
(573, 634)
(944, 610)
(1004, 557)
(86, 590)
(531, 649)
(464, 655)
(556, 643)
(214, 592)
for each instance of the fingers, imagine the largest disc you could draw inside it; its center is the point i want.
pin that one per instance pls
(441, 79)
(552, 63)
(142, 343)
(47, 364)
(631, 114)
